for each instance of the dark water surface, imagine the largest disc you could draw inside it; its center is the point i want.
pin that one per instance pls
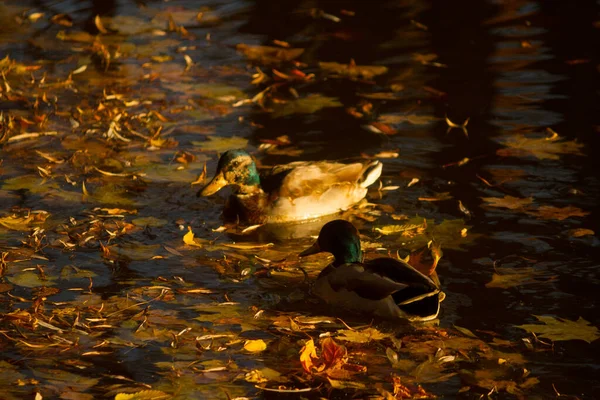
(514, 68)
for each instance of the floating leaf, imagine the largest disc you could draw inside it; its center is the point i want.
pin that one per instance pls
(411, 119)
(255, 346)
(557, 329)
(305, 105)
(362, 336)
(510, 202)
(509, 277)
(307, 354)
(580, 232)
(269, 54)
(542, 148)
(149, 221)
(143, 395)
(352, 70)
(189, 238)
(30, 279)
(222, 144)
(559, 213)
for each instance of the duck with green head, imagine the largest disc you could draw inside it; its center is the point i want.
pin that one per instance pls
(292, 192)
(385, 287)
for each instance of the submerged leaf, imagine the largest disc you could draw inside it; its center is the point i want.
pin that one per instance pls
(269, 54)
(306, 105)
(510, 202)
(559, 213)
(541, 148)
(352, 70)
(222, 144)
(557, 329)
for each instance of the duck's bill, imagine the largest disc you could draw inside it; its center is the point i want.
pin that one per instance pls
(314, 249)
(214, 185)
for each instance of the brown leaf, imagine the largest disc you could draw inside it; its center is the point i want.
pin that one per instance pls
(559, 213)
(510, 202)
(332, 353)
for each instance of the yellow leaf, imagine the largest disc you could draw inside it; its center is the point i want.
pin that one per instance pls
(557, 329)
(255, 346)
(143, 395)
(188, 238)
(307, 353)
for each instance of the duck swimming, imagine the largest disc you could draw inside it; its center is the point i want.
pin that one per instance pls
(291, 192)
(385, 287)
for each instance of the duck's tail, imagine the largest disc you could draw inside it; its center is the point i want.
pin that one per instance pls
(370, 173)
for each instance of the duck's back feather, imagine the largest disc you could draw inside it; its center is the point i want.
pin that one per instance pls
(305, 190)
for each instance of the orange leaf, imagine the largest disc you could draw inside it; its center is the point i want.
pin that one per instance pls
(332, 353)
(307, 353)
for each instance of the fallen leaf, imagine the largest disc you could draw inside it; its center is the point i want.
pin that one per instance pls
(222, 144)
(269, 54)
(361, 336)
(352, 70)
(255, 346)
(557, 329)
(510, 202)
(305, 105)
(307, 354)
(542, 148)
(143, 395)
(580, 232)
(559, 213)
(188, 238)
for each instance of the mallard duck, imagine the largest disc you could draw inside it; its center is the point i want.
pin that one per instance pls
(292, 192)
(385, 287)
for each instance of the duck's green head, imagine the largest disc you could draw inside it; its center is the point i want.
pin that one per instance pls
(339, 238)
(236, 167)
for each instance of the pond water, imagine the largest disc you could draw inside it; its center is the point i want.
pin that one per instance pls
(485, 119)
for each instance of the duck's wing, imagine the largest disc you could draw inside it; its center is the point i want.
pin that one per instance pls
(362, 281)
(418, 286)
(309, 179)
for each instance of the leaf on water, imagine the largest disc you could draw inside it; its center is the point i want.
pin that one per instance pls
(362, 336)
(352, 70)
(269, 54)
(222, 144)
(557, 329)
(465, 331)
(332, 353)
(189, 238)
(30, 279)
(143, 395)
(542, 148)
(510, 202)
(559, 213)
(248, 246)
(307, 354)
(214, 91)
(411, 119)
(437, 197)
(17, 223)
(255, 346)
(149, 221)
(509, 277)
(339, 384)
(580, 232)
(305, 105)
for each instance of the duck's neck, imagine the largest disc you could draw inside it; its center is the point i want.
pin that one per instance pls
(349, 254)
(250, 181)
